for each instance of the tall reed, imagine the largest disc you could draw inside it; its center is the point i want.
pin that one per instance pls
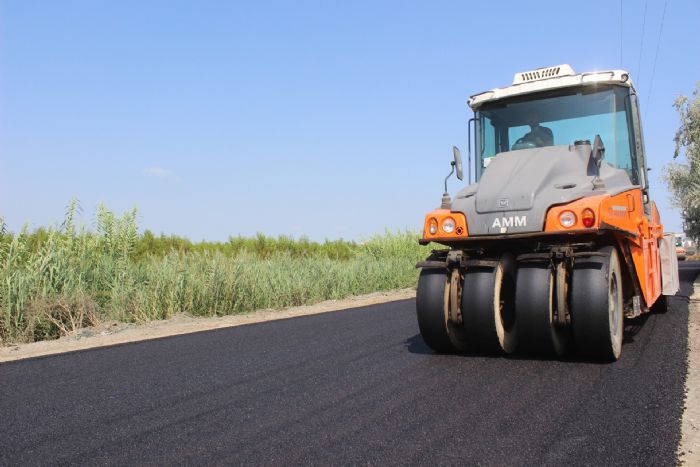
(58, 279)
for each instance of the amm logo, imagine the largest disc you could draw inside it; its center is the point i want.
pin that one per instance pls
(512, 221)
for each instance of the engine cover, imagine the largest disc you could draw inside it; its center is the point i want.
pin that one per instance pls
(518, 187)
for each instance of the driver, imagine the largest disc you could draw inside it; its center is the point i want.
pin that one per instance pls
(538, 135)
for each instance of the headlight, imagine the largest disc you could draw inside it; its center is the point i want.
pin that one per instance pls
(567, 219)
(448, 225)
(432, 226)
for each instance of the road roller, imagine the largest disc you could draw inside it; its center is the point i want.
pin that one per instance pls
(554, 241)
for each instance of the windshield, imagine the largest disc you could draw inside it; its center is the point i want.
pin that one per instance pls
(558, 118)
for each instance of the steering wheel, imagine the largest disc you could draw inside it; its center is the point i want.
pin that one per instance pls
(522, 143)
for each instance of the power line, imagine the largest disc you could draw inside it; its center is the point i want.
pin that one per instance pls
(656, 55)
(641, 46)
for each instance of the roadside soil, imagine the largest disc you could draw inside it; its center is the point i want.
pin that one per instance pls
(689, 447)
(113, 332)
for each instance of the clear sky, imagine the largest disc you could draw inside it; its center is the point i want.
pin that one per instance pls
(330, 119)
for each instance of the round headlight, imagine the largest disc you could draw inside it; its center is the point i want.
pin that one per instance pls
(567, 219)
(448, 225)
(432, 226)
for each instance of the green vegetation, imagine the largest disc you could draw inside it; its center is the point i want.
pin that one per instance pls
(56, 280)
(684, 178)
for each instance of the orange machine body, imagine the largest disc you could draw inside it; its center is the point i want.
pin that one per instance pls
(637, 233)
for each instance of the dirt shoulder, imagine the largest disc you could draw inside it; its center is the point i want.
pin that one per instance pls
(112, 333)
(689, 448)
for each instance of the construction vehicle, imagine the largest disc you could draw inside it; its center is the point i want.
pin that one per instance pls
(681, 251)
(555, 239)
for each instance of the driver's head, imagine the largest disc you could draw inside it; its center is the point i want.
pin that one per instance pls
(533, 120)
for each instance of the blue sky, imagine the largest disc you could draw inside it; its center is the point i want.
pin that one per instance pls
(327, 119)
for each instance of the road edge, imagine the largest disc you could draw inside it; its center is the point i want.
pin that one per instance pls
(689, 448)
(180, 325)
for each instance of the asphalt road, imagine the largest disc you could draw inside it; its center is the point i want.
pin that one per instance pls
(351, 387)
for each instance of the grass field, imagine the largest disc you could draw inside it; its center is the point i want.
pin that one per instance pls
(56, 280)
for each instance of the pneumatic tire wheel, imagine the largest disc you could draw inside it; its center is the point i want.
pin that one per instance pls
(432, 299)
(488, 307)
(596, 305)
(537, 331)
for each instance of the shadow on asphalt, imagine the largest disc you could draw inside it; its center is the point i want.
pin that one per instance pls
(417, 345)
(633, 327)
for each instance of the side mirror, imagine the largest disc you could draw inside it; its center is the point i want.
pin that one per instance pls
(457, 162)
(598, 151)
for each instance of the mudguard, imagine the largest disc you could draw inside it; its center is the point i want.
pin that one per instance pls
(669, 265)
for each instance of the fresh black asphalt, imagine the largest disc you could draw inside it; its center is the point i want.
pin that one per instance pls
(351, 387)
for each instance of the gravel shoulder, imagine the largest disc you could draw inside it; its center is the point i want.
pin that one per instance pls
(113, 333)
(689, 447)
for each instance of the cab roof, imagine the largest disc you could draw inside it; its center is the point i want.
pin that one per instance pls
(553, 77)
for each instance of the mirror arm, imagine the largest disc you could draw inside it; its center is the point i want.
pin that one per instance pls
(450, 174)
(446, 201)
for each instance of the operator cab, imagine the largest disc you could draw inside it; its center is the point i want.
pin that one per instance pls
(555, 106)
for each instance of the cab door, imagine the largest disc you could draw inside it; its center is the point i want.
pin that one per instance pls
(639, 152)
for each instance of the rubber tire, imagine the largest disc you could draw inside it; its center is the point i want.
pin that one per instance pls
(437, 333)
(597, 314)
(534, 307)
(489, 327)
